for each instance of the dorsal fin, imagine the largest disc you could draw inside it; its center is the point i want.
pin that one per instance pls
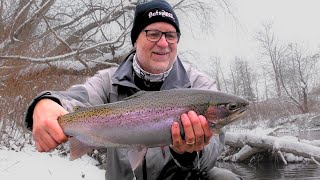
(78, 108)
(138, 94)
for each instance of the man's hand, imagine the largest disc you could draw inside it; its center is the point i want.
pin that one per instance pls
(46, 130)
(197, 133)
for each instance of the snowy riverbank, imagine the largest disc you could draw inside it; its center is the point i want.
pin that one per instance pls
(30, 164)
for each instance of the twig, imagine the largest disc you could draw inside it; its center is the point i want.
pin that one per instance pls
(16, 19)
(314, 160)
(11, 165)
(61, 40)
(282, 157)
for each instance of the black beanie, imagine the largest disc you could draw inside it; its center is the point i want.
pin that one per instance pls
(151, 12)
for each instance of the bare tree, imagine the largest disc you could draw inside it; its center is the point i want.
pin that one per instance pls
(203, 12)
(216, 71)
(297, 76)
(86, 31)
(274, 51)
(266, 83)
(243, 79)
(47, 31)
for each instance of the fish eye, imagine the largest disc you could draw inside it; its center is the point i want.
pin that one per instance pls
(232, 106)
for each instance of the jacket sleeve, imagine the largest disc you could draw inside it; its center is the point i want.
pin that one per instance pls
(93, 92)
(209, 155)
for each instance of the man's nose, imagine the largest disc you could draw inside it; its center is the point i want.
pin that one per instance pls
(163, 41)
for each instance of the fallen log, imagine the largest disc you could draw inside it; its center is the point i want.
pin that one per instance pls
(284, 144)
(314, 142)
(243, 154)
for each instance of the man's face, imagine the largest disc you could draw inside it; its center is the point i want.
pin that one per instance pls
(156, 57)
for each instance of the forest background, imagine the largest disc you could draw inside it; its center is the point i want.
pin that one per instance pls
(52, 44)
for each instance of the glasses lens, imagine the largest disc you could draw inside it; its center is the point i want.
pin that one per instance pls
(154, 36)
(172, 37)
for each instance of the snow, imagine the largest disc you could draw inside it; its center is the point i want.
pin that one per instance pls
(292, 158)
(290, 124)
(31, 164)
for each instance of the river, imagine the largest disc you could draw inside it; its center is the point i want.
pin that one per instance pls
(268, 170)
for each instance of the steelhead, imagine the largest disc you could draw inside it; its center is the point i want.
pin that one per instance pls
(144, 119)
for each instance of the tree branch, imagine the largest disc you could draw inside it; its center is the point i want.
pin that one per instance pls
(45, 7)
(56, 58)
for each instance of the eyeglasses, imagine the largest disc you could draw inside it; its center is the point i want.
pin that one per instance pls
(155, 36)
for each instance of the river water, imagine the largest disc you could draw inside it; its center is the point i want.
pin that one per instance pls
(270, 170)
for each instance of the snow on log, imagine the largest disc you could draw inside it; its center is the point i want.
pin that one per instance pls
(314, 142)
(243, 154)
(283, 144)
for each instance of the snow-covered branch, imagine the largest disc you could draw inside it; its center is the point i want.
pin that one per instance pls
(17, 17)
(44, 8)
(56, 58)
(61, 40)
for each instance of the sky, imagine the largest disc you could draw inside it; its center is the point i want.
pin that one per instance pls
(293, 21)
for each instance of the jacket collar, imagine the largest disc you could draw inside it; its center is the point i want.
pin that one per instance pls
(177, 78)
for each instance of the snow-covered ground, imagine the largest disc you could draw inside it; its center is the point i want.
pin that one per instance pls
(291, 124)
(31, 164)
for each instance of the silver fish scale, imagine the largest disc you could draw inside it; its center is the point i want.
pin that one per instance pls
(142, 119)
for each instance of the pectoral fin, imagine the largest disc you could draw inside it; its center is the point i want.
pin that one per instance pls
(77, 148)
(136, 156)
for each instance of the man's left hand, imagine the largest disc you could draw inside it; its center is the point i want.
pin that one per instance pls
(197, 133)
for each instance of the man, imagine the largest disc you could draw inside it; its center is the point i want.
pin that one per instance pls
(153, 66)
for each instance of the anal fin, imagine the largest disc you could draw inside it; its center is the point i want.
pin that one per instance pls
(136, 156)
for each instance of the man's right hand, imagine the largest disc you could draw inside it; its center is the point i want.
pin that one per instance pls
(46, 130)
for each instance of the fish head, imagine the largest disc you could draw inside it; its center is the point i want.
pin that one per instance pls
(220, 114)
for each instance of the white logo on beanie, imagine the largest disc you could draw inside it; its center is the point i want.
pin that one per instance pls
(162, 13)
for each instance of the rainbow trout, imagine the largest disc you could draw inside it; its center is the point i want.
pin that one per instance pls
(144, 119)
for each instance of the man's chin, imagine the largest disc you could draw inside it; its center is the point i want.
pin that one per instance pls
(158, 69)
